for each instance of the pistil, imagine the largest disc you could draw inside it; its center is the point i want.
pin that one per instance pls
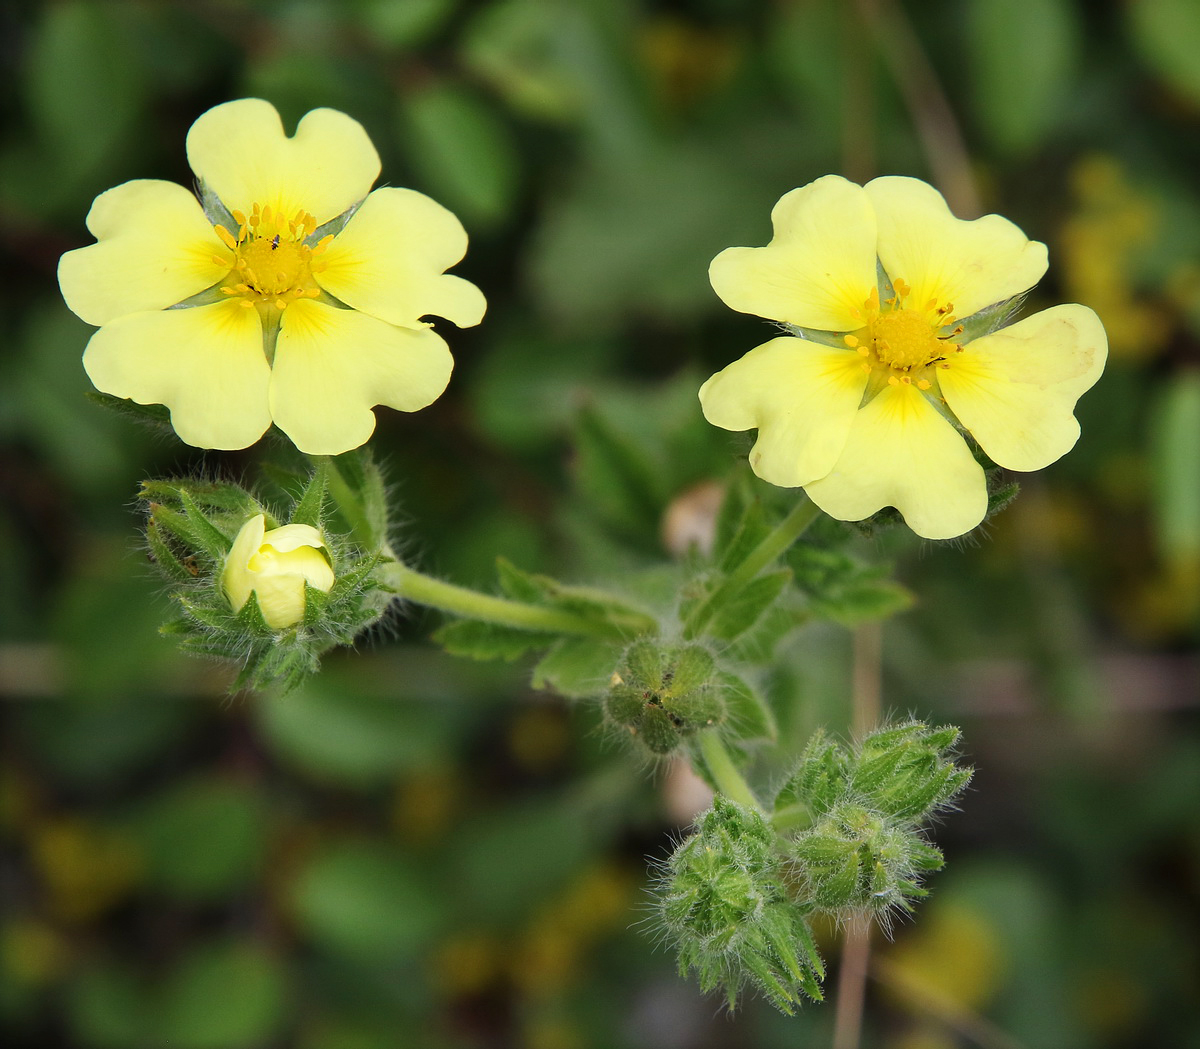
(273, 262)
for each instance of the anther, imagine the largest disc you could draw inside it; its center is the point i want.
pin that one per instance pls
(226, 237)
(924, 384)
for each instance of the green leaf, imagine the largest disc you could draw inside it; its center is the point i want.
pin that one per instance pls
(202, 840)
(464, 152)
(332, 731)
(1175, 450)
(1167, 33)
(736, 612)
(616, 472)
(85, 84)
(519, 584)
(472, 639)
(748, 715)
(737, 540)
(842, 588)
(224, 996)
(108, 1007)
(577, 667)
(1022, 57)
(367, 901)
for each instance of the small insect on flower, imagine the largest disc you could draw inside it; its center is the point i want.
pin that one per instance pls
(235, 286)
(895, 352)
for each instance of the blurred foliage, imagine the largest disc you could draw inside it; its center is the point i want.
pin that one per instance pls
(416, 844)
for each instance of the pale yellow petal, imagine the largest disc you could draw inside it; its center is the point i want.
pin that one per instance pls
(969, 264)
(333, 365)
(240, 152)
(901, 452)
(390, 260)
(819, 267)
(801, 396)
(293, 536)
(154, 248)
(236, 580)
(1016, 389)
(204, 363)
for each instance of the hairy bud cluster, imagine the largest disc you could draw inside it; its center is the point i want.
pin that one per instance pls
(270, 596)
(863, 848)
(725, 904)
(663, 693)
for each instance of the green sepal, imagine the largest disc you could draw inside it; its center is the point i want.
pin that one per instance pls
(155, 416)
(213, 495)
(1001, 495)
(309, 507)
(181, 570)
(473, 639)
(208, 536)
(316, 605)
(249, 619)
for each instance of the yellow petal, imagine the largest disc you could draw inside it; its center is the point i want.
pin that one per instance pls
(969, 264)
(155, 248)
(236, 580)
(205, 363)
(800, 395)
(390, 260)
(293, 536)
(240, 152)
(819, 267)
(901, 452)
(1016, 389)
(333, 365)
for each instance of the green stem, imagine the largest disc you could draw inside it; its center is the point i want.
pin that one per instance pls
(728, 779)
(781, 537)
(471, 604)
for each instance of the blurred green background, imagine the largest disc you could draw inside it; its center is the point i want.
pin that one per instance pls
(418, 851)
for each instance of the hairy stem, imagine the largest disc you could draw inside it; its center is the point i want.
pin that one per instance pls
(471, 604)
(729, 781)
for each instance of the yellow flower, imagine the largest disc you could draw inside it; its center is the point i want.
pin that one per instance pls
(863, 405)
(304, 291)
(275, 565)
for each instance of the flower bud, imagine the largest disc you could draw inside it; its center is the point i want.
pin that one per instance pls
(726, 905)
(663, 694)
(276, 566)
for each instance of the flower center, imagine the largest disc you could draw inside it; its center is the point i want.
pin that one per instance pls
(903, 339)
(273, 262)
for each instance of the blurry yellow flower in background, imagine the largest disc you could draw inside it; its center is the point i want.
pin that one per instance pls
(291, 294)
(275, 565)
(863, 405)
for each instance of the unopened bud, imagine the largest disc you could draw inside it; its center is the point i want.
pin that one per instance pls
(276, 565)
(663, 694)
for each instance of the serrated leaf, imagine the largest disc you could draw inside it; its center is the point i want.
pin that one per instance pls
(737, 611)
(748, 715)
(472, 639)
(519, 584)
(865, 602)
(751, 529)
(577, 667)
